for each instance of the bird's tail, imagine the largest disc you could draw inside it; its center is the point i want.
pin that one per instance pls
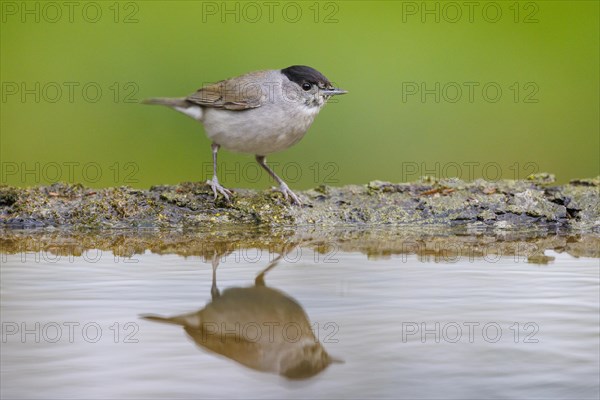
(158, 318)
(167, 101)
(179, 104)
(184, 320)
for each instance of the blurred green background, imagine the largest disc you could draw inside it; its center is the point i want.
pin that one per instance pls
(486, 90)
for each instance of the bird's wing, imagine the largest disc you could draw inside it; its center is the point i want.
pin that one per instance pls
(239, 93)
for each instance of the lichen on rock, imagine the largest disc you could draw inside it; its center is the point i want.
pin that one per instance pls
(504, 204)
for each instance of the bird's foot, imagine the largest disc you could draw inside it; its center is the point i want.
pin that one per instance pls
(217, 188)
(287, 194)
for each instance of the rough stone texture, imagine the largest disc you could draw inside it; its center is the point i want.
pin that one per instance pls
(476, 206)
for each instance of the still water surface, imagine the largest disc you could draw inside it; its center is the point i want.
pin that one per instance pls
(404, 327)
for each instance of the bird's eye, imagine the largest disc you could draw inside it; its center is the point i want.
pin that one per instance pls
(306, 86)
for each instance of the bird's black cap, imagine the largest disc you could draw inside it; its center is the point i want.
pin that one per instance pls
(302, 73)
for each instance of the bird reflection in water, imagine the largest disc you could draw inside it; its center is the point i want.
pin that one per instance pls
(257, 326)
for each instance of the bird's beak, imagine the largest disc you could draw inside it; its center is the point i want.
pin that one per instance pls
(333, 92)
(336, 360)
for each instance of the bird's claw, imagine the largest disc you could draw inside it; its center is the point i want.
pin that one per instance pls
(287, 193)
(217, 188)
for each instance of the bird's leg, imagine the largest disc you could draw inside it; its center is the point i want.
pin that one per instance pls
(260, 279)
(262, 161)
(214, 290)
(214, 183)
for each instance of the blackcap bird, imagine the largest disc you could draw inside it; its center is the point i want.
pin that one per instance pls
(257, 326)
(258, 113)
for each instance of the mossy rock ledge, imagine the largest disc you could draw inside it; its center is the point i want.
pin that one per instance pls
(478, 205)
